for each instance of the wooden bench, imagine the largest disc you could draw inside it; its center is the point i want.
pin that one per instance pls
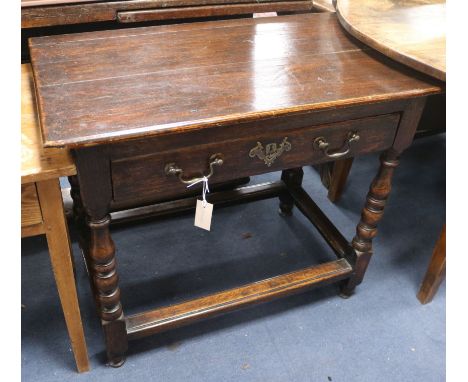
(46, 13)
(49, 17)
(42, 210)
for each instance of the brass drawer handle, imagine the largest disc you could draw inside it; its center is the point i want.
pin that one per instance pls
(173, 169)
(321, 143)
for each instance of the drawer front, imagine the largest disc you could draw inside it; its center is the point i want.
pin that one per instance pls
(145, 177)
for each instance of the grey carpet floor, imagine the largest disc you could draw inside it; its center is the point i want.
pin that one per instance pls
(382, 333)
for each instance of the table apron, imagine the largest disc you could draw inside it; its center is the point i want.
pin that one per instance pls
(144, 177)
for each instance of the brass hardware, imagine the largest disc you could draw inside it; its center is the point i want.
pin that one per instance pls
(271, 152)
(321, 143)
(173, 169)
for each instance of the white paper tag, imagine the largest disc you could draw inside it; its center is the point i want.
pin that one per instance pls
(203, 213)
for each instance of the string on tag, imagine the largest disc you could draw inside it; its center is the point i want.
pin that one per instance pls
(205, 189)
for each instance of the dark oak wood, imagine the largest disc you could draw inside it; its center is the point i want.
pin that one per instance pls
(378, 193)
(153, 82)
(337, 174)
(35, 3)
(52, 17)
(135, 102)
(50, 13)
(145, 175)
(325, 227)
(245, 194)
(370, 216)
(334, 175)
(211, 11)
(101, 254)
(152, 322)
(292, 178)
(95, 195)
(220, 199)
(435, 273)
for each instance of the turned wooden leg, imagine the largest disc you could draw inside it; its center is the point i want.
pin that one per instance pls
(93, 195)
(291, 177)
(58, 241)
(371, 214)
(103, 271)
(435, 273)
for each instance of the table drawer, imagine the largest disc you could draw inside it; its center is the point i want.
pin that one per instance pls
(145, 176)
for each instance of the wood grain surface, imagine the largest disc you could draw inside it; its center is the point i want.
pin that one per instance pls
(30, 208)
(324, 5)
(212, 11)
(55, 12)
(114, 85)
(58, 241)
(34, 3)
(38, 163)
(158, 320)
(143, 176)
(409, 31)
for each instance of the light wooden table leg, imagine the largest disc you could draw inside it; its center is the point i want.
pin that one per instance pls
(50, 198)
(435, 273)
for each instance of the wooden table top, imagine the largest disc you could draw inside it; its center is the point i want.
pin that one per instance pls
(409, 31)
(114, 85)
(38, 163)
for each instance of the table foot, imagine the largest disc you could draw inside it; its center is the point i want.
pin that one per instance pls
(345, 292)
(285, 210)
(117, 362)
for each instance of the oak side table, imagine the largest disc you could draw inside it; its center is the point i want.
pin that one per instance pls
(147, 110)
(42, 211)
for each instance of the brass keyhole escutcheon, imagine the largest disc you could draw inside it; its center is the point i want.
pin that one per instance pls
(270, 152)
